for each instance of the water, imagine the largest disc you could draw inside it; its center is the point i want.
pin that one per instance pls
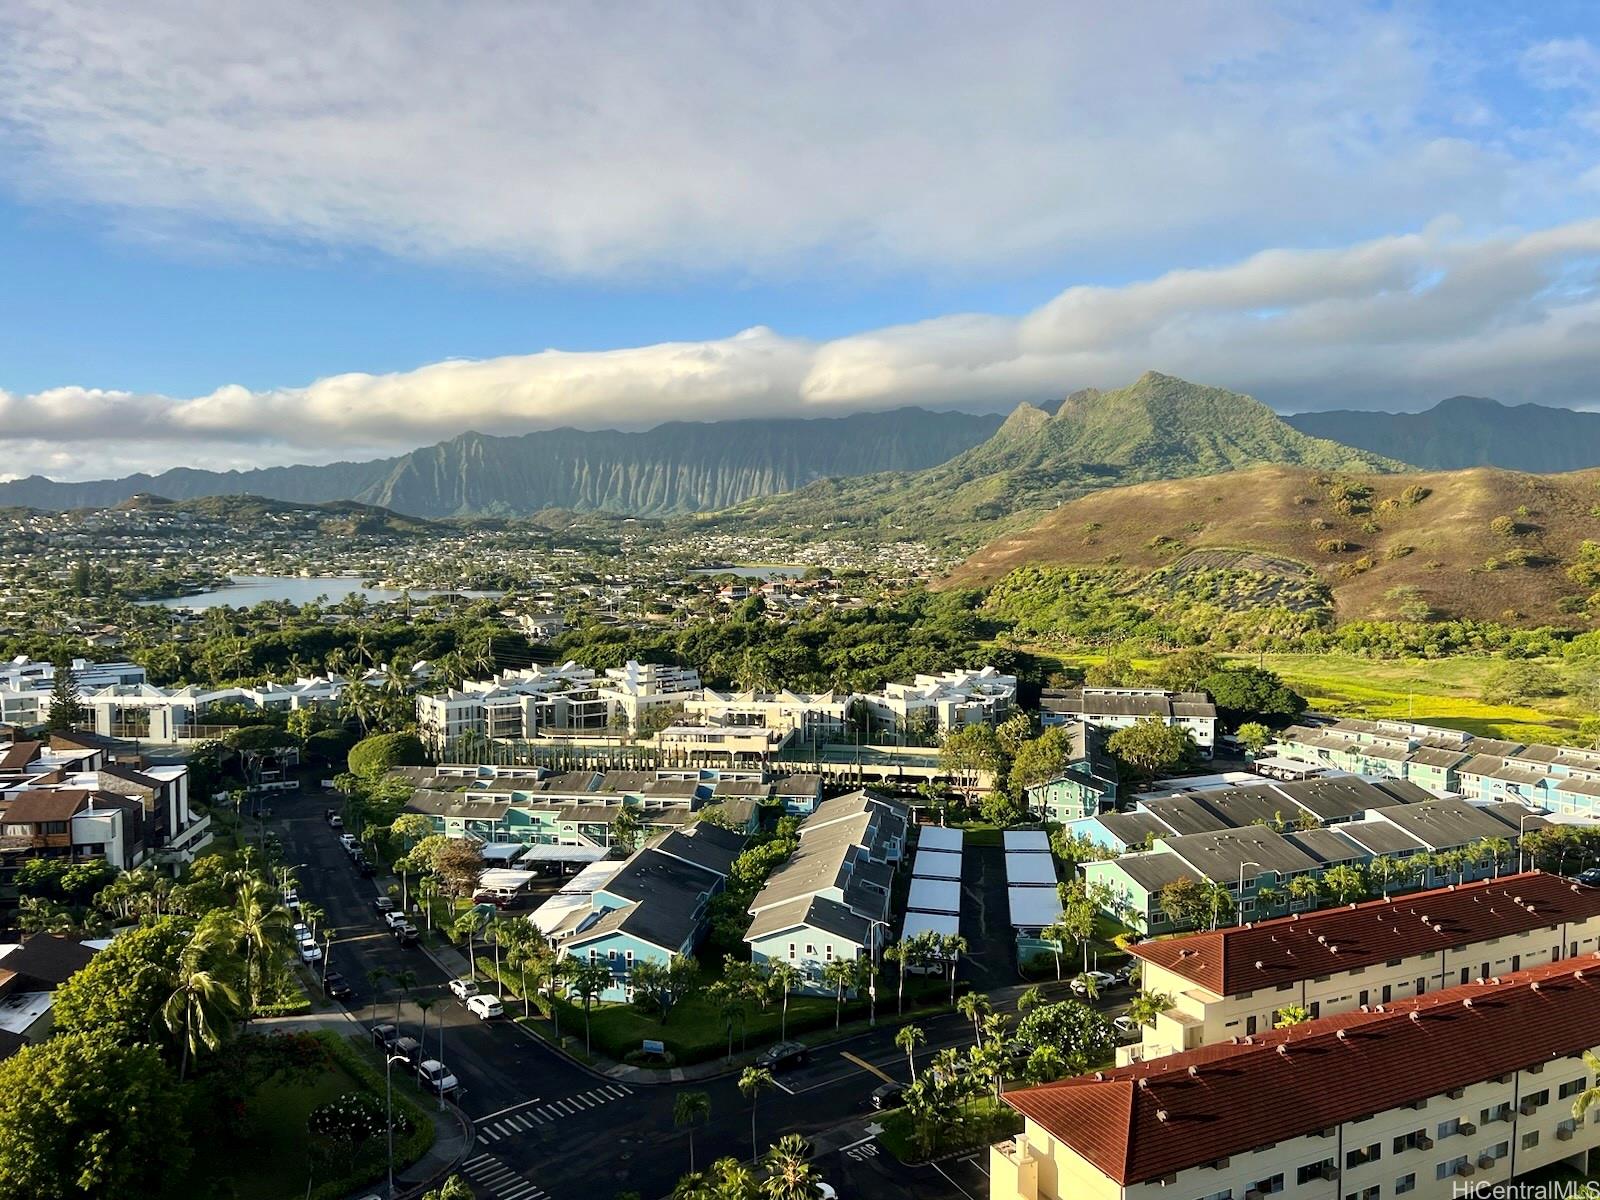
(245, 590)
(755, 571)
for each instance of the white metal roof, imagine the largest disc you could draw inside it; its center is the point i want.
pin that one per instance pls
(501, 852)
(1033, 907)
(945, 924)
(1030, 869)
(539, 853)
(1031, 841)
(936, 864)
(935, 895)
(939, 837)
(502, 877)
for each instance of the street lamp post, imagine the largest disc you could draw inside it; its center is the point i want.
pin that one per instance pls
(872, 978)
(388, 1106)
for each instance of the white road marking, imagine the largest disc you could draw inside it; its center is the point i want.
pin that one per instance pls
(952, 1182)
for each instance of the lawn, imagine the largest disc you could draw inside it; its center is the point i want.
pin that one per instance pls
(697, 1031)
(1433, 691)
(273, 1139)
(981, 1122)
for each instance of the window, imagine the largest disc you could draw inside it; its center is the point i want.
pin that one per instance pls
(1499, 1150)
(1537, 1099)
(1269, 1187)
(1225, 1194)
(1406, 1183)
(829, 949)
(1365, 1154)
(791, 951)
(1572, 1087)
(811, 951)
(1495, 1112)
(1449, 1129)
(1530, 1139)
(1316, 1170)
(1410, 1141)
(1446, 1169)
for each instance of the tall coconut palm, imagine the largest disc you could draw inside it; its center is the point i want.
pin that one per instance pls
(783, 979)
(688, 1110)
(790, 1175)
(839, 975)
(908, 1038)
(200, 1010)
(1590, 1096)
(752, 1083)
(262, 924)
(404, 981)
(974, 1006)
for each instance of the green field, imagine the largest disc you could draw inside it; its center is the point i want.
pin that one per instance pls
(1434, 691)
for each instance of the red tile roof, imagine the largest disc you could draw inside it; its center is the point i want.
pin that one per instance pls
(1152, 1119)
(1302, 946)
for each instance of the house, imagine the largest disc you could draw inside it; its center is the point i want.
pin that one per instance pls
(1231, 982)
(72, 823)
(654, 908)
(945, 701)
(1428, 1096)
(30, 972)
(1086, 787)
(831, 899)
(1109, 709)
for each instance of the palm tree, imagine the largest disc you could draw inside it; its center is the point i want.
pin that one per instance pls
(688, 1110)
(1058, 935)
(1030, 999)
(783, 978)
(908, 1038)
(789, 1175)
(262, 924)
(1291, 1014)
(839, 974)
(1147, 1006)
(312, 916)
(752, 1083)
(202, 1006)
(974, 1006)
(404, 981)
(589, 979)
(377, 976)
(1087, 985)
(732, 1180)
(951, 947)
(424, 1003)
(1496, 850)
(428, 889)
(693, 1186)
(467, 926)
(1586, 1099)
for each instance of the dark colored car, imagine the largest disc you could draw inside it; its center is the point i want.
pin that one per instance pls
(385, 1036)
(888, 1095)
(783, 1056)
(364, 868)
(335, 988)
(1590, 878)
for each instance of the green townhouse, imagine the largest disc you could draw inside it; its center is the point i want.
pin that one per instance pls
(1257, 865)
(655, 908)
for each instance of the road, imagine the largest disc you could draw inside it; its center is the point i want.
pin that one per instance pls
(550, 1129)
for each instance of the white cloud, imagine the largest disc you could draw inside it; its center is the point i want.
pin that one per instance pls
(1398, 321)
(665, 139)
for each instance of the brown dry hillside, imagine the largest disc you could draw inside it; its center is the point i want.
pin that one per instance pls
(1480, 543)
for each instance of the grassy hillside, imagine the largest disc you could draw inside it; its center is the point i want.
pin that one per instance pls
(1483, 543)
(1157, 428)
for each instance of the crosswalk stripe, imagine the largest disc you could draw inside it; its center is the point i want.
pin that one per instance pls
(522, 1123)
(527, 1189)
(483, 1141)
(619, 1093)
(476, 1161)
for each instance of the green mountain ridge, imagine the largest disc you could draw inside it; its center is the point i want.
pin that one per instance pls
(1159, 427)
(1468, 431)
(676, 468)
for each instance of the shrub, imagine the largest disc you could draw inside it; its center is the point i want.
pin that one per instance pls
(1503, 527)
(1415, 494)
(1334, 545)
(1395, 553)
(372, 756)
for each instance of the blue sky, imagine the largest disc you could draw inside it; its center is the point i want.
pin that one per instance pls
(313, 233)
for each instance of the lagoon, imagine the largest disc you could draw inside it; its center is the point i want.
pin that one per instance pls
(244, 590)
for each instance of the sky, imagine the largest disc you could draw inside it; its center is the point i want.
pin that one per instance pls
(239, 235)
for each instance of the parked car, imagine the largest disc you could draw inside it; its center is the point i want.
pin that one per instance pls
(1102, 980)
(348, 841)
(310, 952)
(406, 934)
(364, 868)
(783, 1056)
(394, 919)
(1590, 877)
(383, 904)
(888, 1095)
(334, 987)
(302, 931)
(408, 1048)
(384, 1036)
(484, 1007)
(335, 821)
(290, 896)
(1127, 1027)
(825, 1191)
(436, 1077)
(464, 988)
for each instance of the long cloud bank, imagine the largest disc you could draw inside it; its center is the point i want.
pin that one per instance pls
(1397, 322)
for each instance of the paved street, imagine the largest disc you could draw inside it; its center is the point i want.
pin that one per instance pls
(549, 1129)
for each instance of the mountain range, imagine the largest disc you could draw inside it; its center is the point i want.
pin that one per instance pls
(1159, 427)
(679, 467)
(1468, 431)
